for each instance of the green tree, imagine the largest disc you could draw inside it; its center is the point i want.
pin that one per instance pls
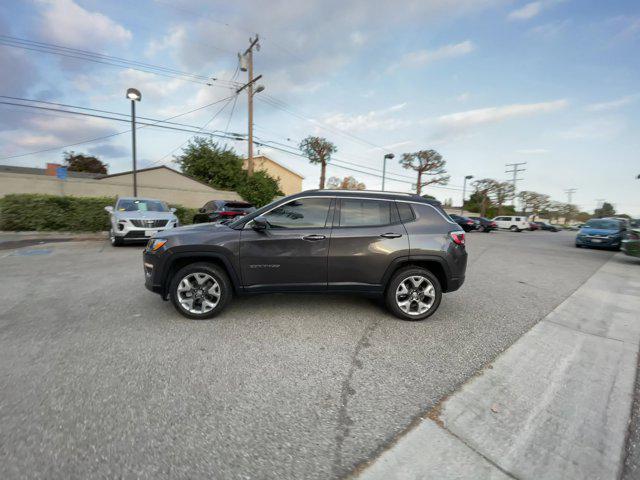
(428, 164)
(483, 190)
(318, 150)
(78, 162)
(211, 163)
(501, 192)
(606, 210)
(259, 189)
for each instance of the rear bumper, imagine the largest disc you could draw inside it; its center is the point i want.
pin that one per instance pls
(455, 283)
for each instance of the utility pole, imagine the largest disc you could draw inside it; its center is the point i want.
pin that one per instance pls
(515, 170)
(389, 156)
(246, 65)
(570, 192)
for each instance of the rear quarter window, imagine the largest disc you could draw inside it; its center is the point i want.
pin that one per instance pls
(406, 212)
(426, 214)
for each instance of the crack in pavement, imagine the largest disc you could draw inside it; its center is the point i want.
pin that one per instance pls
(344, 421)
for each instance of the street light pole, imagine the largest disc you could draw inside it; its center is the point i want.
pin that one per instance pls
(464, 188)
(135, 96)
(389, 156)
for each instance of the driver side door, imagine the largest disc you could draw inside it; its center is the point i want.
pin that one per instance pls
(291, 254)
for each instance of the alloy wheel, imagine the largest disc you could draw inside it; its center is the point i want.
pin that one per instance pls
(415, 295)
(198, 293)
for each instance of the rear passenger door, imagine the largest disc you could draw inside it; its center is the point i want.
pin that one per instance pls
(367, 236)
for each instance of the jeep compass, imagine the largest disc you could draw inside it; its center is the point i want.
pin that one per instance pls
(402, 247)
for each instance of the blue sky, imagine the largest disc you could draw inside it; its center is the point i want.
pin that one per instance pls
(554, 83)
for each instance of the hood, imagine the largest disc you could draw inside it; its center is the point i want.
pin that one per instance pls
(144, 215)
(196, 228)
(598, 231)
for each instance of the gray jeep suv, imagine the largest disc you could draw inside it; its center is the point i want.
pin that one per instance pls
(399, 246)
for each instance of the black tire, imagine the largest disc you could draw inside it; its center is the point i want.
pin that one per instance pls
(214, 271)
(115, 241)
(404, 274)
(514, 228)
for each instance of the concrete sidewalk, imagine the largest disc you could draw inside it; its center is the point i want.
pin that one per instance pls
(555, 405)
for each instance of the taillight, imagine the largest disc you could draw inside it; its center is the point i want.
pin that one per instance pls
(470, 222)
(457, 237)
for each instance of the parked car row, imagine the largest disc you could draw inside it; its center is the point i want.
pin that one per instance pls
(136, 219)
(512, 223)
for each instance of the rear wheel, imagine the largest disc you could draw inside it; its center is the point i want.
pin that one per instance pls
(200, 290)
(413, 293)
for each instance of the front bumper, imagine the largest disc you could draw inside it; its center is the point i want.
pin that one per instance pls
(599, 242)
(152, 275)
(130, 233)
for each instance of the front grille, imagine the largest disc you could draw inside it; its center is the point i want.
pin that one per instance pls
(135, 234)
(149, 223)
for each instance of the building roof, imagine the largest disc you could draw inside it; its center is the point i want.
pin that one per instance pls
(130, 172)
(279, 164)
(43, 171)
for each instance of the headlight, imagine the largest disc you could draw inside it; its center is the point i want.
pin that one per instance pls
(155, 244)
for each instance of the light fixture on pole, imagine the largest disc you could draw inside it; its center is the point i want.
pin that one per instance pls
(389, 156)
(135, 96)
(464, 188)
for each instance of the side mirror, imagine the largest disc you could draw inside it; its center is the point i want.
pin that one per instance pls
(173, 210)
(201, 210)
(109, 209)
(260, 223)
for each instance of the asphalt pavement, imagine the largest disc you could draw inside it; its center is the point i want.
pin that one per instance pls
(100, 378)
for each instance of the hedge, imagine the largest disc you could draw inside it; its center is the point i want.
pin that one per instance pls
(29, 212)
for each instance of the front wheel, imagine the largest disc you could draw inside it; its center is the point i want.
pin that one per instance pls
(514, 228)
(200, 290)
(413, 293)
(115, 240)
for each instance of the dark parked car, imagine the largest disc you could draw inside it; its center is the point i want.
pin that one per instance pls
(217, 210)
(398, 246)
(484, 224)
(546, 226)
(467, 224)
(602, 233)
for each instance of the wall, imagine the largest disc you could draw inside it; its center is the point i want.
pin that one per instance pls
(289, 182)
(162, 184)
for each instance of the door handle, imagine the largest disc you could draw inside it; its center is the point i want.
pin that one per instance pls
(313, 238)
(391, 235)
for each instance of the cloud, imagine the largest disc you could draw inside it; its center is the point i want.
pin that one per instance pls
(549, 30)
(599, 129)
(421, 58)
(375, 119)
(463, 97)
(531, 9)
(67, 23)
(526, 12)
(612, 104)
(481, 116)
(109, 150)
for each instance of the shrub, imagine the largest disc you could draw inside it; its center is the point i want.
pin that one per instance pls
(51, 212)
(259, 189)
(28, 212)
(184, 214)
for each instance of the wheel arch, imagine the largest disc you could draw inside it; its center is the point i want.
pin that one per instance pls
(179, 261)
(436, 265)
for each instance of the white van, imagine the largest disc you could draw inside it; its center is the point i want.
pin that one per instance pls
(515, 224)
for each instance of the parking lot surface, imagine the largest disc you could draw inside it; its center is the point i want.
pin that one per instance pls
(100, 378)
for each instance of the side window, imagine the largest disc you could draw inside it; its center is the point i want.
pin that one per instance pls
(406, 213)
(210, 206)
(302, 213)
(518, 219)
(355, 212)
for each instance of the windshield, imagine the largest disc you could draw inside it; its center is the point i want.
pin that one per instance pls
(136, 205)
(603, 224)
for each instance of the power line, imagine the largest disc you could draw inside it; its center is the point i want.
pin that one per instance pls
(94, 57)
(200, 129)
(515, 170)
(91, 140)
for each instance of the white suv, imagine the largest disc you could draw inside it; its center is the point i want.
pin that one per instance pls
(515, 224)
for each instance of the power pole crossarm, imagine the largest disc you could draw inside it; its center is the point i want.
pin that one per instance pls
(515, 170)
